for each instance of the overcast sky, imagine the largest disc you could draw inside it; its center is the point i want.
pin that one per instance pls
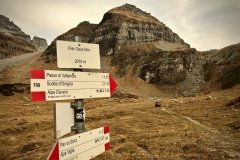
(204, 24)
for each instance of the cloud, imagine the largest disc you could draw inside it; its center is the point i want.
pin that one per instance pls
(210, 24)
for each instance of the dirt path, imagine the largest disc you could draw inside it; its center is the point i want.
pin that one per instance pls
(214, 135)
(17, 69)
(18, 60)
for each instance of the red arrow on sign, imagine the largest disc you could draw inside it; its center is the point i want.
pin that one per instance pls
(55, 152)
(113, 85)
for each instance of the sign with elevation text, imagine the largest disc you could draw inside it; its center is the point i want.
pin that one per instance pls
(83, 146)
(48, 85)
(78, 55)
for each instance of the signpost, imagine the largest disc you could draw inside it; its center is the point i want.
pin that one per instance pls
(82, 146)
(49, 85)
(78, 55)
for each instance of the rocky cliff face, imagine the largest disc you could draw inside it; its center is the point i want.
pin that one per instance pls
(8, 28)
(142, 45)
(14, 41)
(129, 25)
(139, 45)
(222, 67)
(12, 46)
(160, 63)
(121, 26)
(39, 43)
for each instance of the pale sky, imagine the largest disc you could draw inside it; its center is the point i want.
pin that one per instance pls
(204, 24)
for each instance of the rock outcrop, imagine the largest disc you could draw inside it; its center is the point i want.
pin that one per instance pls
(15, 42)
(222, 67)
(39, 43)
(8, 28)
(12, 46)
(160, 63)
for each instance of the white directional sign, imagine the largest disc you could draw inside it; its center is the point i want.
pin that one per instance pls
(48, 85)
(82, 146)
(78, 55)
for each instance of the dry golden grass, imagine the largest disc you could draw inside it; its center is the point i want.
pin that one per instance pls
(200, 127)
(183, 128)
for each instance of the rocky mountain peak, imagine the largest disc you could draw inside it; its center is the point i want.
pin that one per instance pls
(84, 23)
(6, 23)
(133, 12)
(127, 7)
(142, 46)
(121, 26)
(128, 24)
(39, 43)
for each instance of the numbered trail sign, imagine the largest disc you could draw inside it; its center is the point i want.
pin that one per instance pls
(78, 55)
(82, 146)
(48, 85)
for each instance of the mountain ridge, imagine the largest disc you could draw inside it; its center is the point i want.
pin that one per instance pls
(112, 32)
(15, 42)
(135, 44)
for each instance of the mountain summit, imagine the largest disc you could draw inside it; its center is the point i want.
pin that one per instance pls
(128, 24)
(135, 44)
(122, 25)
